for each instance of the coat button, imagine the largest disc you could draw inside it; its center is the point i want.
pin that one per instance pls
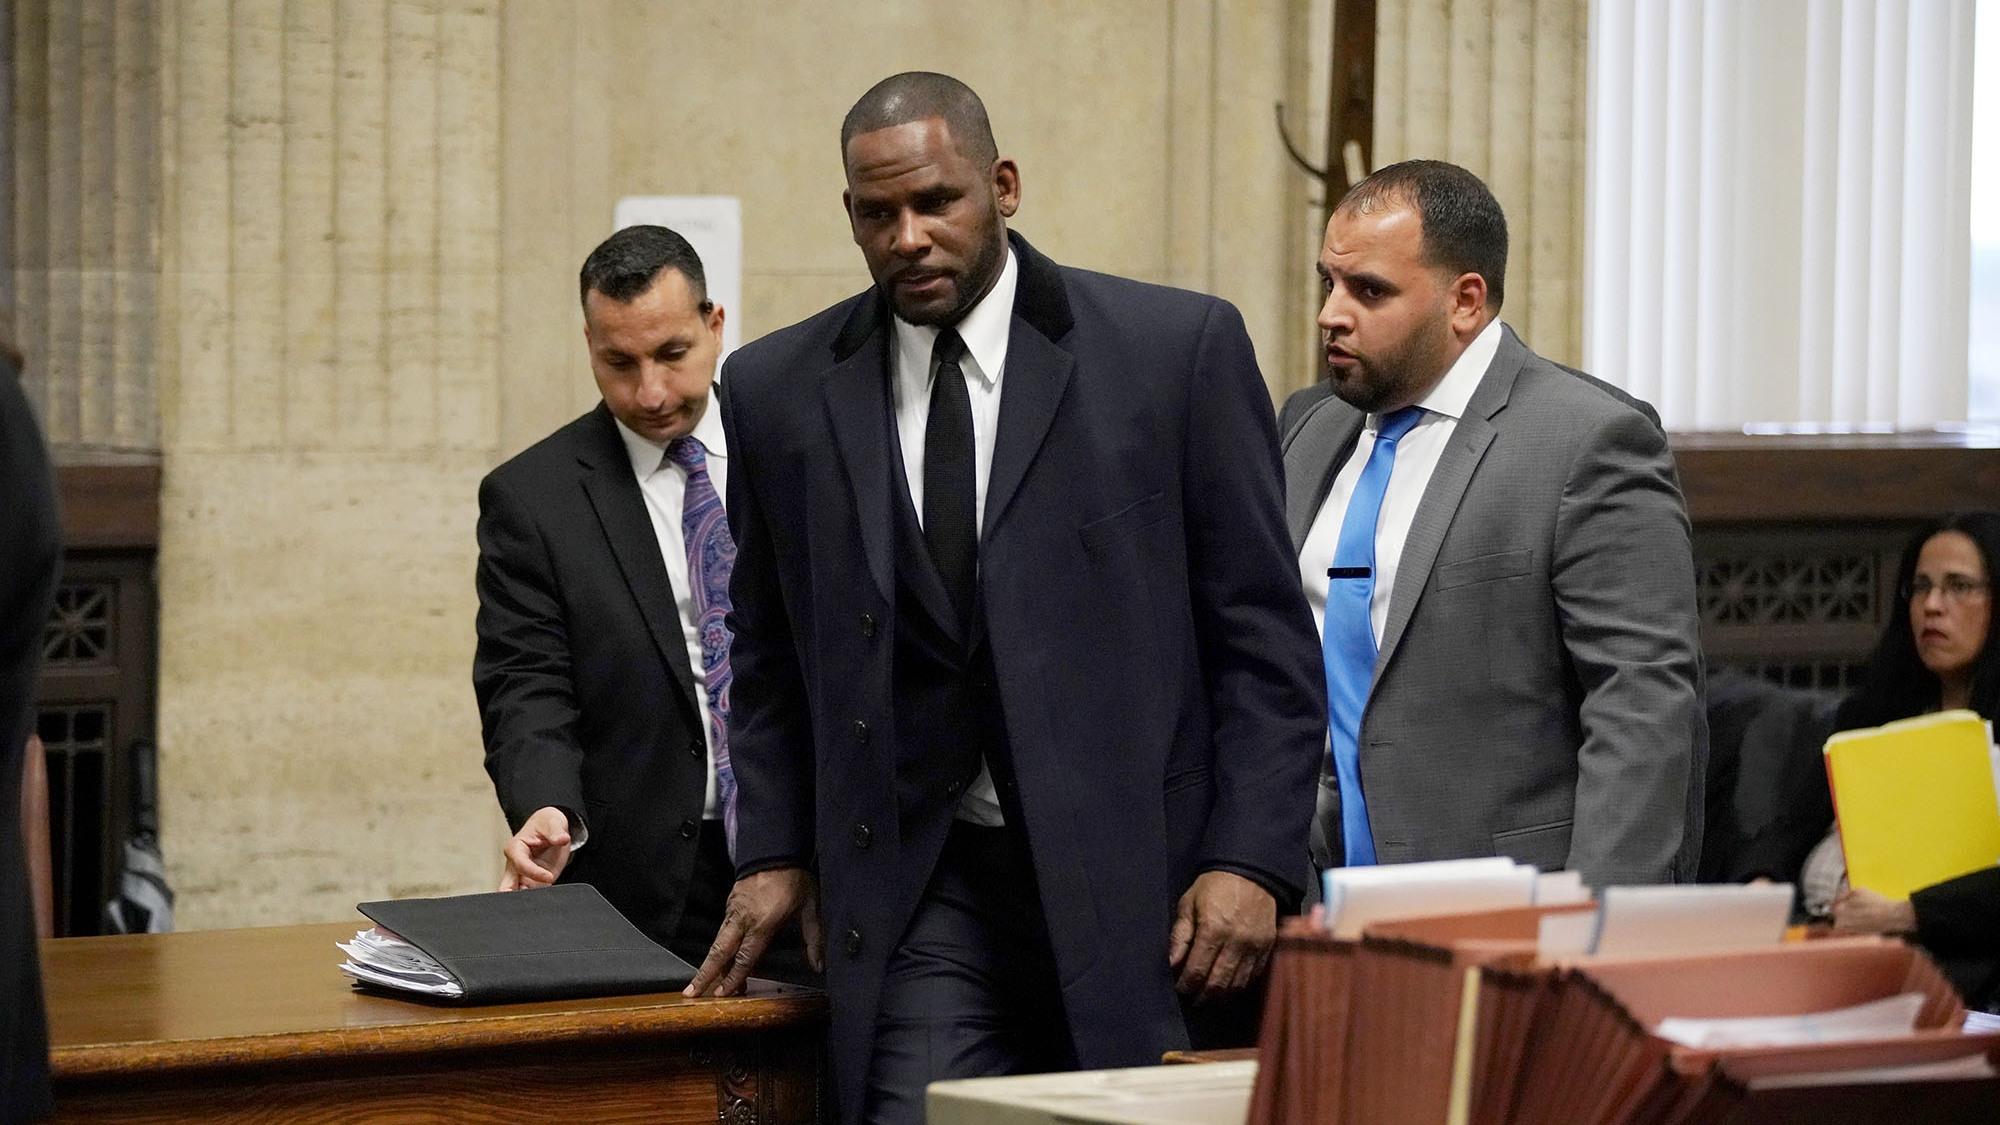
(689, 829)
(696, 748)
(853, 943)
(867, 624)
(860, 730)
(862, 835)
(951, 788)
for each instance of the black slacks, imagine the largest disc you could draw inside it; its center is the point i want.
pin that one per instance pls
(972, 990)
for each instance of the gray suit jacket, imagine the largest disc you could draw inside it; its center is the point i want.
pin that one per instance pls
(1538, 691)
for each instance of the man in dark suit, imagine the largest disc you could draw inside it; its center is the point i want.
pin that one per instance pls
(602, 669)
(1022, 663)
(30, 556)
(1499, 555)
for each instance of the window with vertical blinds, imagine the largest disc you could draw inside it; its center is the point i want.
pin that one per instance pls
(1777, 209)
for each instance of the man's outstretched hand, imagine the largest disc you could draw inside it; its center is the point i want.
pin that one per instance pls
(759, 906)
(537, 854)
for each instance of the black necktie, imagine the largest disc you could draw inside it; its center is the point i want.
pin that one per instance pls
(949, 524)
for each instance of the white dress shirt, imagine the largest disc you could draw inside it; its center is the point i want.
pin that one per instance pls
(1417, 455)
(664, 485)
(984, 331)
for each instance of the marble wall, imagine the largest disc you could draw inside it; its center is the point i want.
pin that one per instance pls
(338, 242)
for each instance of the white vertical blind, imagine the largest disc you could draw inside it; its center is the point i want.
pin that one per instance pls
(1778, 206)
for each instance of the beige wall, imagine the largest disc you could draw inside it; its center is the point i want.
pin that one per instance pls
(356, 296)
(1499, 86)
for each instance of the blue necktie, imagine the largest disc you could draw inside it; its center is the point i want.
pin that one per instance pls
(1349, 644)
(711, 553)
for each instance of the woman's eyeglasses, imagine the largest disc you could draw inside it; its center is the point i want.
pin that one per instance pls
(1955, 587)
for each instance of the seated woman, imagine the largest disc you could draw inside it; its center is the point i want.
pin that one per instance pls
(1937, 654)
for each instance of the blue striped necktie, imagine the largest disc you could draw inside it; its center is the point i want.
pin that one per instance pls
(1349, 638)
(711, 552)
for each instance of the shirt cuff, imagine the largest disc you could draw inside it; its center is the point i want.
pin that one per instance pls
(579, 832)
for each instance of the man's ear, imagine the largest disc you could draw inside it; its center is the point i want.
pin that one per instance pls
(1468, 304)
(715, 320)
(1007, 187)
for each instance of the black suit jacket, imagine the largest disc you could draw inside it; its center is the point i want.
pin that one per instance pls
(1156, 667)
(586, 695)
(30, 555)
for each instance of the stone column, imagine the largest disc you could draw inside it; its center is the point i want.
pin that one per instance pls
(85, 193)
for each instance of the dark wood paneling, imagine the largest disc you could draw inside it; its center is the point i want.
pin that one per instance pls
(1796, 537)
(110, 505)
(1738, 478)
(1351, 99)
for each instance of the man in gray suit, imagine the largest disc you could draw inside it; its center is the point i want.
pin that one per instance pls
(1498, 555)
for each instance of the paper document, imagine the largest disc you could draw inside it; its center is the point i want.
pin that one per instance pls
(1357, 897)
(1560, 888)
(1561, 936)
(1691, 918)
(1944, 1070)
(381, 958)
(1878, 1019)
(1203, 1094)
(1915, 801)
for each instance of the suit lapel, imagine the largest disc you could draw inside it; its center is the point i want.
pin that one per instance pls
(1037, 374)
(856, 391)
(1469, 442)
(621, 511)
(1322, 442)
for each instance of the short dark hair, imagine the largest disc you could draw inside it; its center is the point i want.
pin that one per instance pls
(624, 265)
(915, 96)
(1464, 229)
(1895, 684)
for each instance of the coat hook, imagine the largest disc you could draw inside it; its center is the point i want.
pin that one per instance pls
(1292, 150)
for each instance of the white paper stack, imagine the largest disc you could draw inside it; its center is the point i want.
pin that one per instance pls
(1357, 897)
(1691, 918)
(381, 958)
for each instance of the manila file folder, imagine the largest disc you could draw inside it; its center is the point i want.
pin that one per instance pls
(551, 943)
(1916, 801)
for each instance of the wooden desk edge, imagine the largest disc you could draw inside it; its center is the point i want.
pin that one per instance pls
(667, 1021)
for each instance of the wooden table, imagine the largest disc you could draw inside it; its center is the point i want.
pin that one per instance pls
(259, 1026)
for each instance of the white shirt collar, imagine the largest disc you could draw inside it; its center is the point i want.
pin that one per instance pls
(984, 330)
(1454, 392)
(648, 456)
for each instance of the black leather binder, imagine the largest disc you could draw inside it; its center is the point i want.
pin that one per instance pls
(550, 943)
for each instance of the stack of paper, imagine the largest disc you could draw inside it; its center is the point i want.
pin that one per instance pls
(1209, 1094)
(1359, 896)
(1821, 1016)
(1459, 1018)
(1916, 801)
(378, 957)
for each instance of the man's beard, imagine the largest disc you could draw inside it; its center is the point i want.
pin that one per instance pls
(968, 287)
(1374, 383)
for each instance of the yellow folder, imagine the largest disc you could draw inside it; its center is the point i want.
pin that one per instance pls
(1915, 800)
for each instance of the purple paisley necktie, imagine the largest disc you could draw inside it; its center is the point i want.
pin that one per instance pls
(711, 553)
